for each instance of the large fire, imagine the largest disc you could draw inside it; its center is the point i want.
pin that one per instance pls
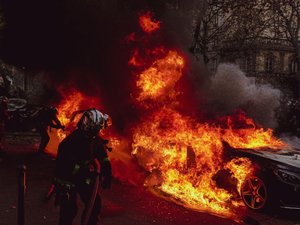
(183, 156)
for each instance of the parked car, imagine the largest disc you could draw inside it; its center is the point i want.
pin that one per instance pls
(20, 114)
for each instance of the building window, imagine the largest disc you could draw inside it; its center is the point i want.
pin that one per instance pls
(248, 64)
(293, 66)
(216, 20)
(214, 64)
(281, 55)
(270, 63)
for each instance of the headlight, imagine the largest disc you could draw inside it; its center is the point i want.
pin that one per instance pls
(288, 177)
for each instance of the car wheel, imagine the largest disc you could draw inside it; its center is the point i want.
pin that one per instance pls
(254, 193)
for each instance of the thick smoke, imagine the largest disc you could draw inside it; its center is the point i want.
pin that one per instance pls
(231, 89)
(292, 141)
(180, 21)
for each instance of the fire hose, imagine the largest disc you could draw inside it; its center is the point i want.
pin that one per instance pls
(91, 202)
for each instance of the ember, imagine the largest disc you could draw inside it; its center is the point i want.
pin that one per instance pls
(148, 24)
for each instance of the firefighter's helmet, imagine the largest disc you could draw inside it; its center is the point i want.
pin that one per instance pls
(92, 121)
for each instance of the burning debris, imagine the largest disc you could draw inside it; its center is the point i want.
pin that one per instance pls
(148, 24)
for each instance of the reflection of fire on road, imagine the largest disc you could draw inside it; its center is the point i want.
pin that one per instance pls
(182, 155)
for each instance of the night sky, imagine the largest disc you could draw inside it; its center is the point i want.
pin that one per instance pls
(60, 34)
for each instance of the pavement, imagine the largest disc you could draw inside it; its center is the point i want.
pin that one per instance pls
(123, 204)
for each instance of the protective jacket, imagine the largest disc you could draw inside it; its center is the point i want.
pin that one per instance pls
(75, 155)
(75, 175)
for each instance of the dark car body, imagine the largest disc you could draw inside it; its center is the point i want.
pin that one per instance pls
(20, 115)
(278, 169)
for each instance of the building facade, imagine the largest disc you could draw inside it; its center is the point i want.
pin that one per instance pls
(269, 60)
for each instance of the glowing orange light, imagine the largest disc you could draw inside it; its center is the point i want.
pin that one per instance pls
(159, 79)
(148, 24)
(135, 61)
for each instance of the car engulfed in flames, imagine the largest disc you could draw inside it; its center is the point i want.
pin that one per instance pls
(185, 161)
(185, 158)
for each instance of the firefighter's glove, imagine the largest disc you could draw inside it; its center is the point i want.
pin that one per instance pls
(106, 175)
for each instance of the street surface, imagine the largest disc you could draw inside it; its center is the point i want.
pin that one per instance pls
(122, 205)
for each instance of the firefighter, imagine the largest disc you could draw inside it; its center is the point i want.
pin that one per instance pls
(43, 118)
(80, 157)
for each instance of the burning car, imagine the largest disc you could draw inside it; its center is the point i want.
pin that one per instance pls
(276, 180)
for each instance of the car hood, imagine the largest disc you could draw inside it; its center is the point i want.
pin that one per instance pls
(289, 157)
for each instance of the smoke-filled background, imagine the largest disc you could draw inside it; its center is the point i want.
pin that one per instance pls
(231, 90)
(83, 44)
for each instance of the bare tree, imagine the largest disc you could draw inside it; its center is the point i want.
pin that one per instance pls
(285, 15)
(210, 27)
(228, 21)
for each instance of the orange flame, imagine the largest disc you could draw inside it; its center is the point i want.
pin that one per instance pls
(148, 24)
(250, 136)
(135, 61)
(183, 157)
(159, 79)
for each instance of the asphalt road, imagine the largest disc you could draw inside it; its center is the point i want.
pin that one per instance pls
(122, 205)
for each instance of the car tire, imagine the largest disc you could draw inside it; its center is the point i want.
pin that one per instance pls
(254, 193)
